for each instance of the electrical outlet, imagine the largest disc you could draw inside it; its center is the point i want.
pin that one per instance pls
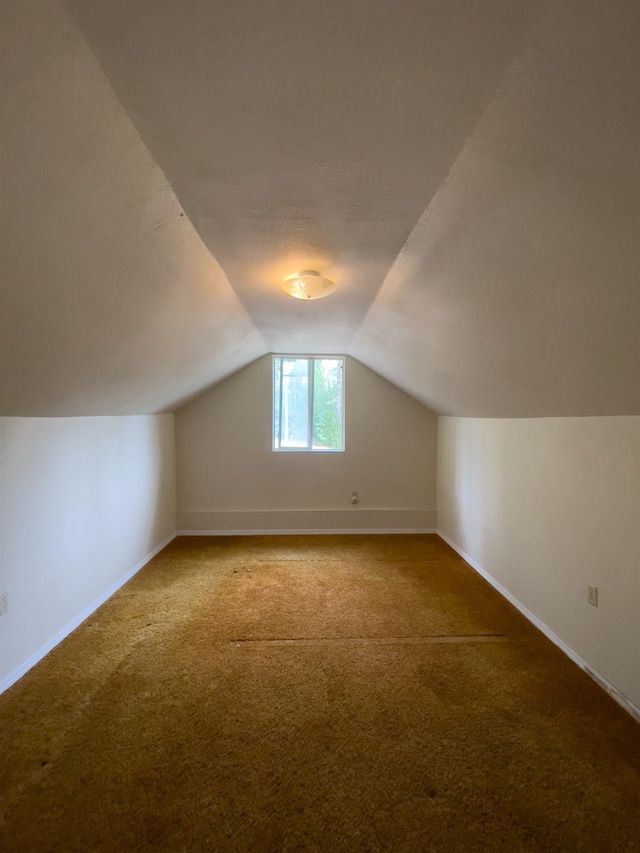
(592, 595)
(4, 603)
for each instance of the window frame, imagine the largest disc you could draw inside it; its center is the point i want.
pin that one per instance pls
(310, 359)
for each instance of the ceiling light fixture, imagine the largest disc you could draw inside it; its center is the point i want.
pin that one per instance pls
(308, 284)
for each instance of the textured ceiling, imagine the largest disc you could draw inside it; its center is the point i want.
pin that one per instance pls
(109, 301)
(518, 292)
(466, 171)
(304, 135)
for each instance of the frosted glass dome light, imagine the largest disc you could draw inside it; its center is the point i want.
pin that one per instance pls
(308, 284)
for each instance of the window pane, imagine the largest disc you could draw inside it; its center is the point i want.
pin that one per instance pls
(327, 404)
(294, 409)
(277, 367)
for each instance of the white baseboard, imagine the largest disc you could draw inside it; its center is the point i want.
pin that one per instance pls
(353, 520)
(615, 694)
(79, 619)
(311, 532)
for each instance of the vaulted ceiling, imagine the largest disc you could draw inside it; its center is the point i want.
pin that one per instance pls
(466, 171)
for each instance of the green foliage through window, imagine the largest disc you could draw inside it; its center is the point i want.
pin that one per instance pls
(308, 403)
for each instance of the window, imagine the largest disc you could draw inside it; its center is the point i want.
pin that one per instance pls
(308, 403)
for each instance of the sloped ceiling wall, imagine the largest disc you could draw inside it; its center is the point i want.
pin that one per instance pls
(109, 301)
(518, 292)
(466, 171)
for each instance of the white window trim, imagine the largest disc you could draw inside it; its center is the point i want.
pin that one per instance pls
(310, 359)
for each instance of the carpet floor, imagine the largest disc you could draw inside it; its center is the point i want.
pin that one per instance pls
(313, 693)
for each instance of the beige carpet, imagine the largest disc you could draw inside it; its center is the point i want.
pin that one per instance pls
(313, 693)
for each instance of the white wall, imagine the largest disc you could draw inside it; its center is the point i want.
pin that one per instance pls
(83, 503)
(546, 506)
(230, 479)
